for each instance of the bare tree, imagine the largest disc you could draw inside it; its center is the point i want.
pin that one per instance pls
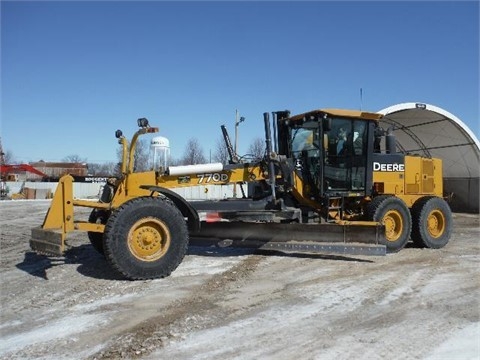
(174, 161)
(140, 157)
(106, 169)
(74, 158)
(93, 169)
(221, 153)
(257, 149)
(193, 153)
(5, 157)
(9, 158)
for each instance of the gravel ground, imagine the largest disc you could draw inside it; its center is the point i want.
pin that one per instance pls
(237, 304)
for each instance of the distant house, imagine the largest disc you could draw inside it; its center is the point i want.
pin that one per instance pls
(56, 170)
(20, 172)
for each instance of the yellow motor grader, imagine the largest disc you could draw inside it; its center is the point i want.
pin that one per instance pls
(331, 181)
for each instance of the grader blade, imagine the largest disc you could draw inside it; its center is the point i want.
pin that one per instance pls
(351, 238)
(47, 242)
(49, 239)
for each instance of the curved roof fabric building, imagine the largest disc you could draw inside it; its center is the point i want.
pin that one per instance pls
(428, 130)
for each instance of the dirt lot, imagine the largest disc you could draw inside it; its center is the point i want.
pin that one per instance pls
(236, 304)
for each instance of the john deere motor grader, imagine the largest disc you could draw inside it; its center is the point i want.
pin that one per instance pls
(331, 181)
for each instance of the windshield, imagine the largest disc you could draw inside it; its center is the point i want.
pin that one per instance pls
(304, 138)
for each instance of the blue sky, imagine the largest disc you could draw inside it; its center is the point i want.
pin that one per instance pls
(74, 72)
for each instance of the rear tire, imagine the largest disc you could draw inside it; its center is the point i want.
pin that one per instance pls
(432, 222)
(145, 238)
(395, 215)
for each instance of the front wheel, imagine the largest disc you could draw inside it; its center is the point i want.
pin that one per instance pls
(432, 222)
(145, 238)
(394, 214)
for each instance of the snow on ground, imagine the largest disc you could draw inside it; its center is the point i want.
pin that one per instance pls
(226, 303)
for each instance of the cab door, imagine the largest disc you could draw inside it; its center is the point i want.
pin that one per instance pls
(345, 158)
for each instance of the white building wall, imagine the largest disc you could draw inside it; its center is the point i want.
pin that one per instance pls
(80, 190)
(93, 190)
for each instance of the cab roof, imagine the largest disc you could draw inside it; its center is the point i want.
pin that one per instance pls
(339, 113)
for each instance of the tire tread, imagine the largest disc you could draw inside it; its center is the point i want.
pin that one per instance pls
(120, 258)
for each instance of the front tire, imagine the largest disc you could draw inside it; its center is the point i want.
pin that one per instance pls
(145, 238)
(395, 215)
(432, 222)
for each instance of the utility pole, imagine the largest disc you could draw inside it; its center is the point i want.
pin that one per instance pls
(236, 132)
(237, 122)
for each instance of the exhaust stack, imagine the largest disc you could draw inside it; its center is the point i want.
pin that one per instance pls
(268, 147)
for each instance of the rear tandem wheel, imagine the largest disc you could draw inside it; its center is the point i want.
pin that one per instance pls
(145, 238)
(432, 222)
(395, 215)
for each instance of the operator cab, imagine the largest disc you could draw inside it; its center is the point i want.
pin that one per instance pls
(330, 150)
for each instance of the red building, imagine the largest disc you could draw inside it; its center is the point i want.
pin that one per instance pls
(56, 170)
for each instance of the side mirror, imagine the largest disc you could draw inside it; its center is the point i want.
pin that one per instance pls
(118, 134)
